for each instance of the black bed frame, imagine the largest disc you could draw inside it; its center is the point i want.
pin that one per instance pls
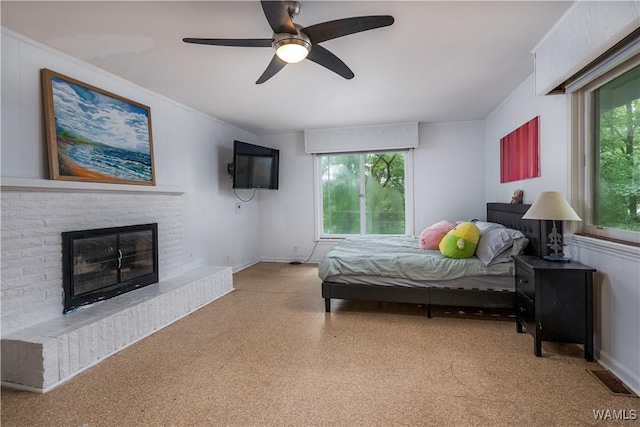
(503, 213)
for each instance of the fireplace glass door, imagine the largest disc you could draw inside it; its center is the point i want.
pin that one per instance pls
(102, 263)
(95, 263)
(136, 252)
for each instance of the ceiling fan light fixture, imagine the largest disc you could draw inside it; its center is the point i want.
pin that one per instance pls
(293, 43)
(292, 50)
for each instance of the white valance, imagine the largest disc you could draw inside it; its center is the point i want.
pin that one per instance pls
(366, 138)
(584, 33)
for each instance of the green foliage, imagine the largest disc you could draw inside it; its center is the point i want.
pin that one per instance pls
(385, 202)
(618, 159)
(340, 194)
(384, 187)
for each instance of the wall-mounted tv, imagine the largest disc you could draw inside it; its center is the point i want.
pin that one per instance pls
(255, 166)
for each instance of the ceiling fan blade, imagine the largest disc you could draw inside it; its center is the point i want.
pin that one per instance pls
(277, 13)
(232, 42)
(274, 66)
(324, 31)
(322, 56)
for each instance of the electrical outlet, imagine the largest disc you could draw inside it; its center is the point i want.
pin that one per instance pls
(295, 249)
(238, 208)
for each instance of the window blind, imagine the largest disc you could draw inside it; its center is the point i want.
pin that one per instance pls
(366, 138)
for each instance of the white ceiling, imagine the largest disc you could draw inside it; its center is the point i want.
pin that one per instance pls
(439, 62)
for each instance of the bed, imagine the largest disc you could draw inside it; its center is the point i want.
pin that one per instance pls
(491, 288)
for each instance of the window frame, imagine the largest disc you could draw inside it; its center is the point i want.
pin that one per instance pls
(318, 202)
(582, 154)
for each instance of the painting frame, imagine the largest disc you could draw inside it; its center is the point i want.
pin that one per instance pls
(94, 135)
(519, 153)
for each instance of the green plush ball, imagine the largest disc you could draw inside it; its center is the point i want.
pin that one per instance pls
(460, 242)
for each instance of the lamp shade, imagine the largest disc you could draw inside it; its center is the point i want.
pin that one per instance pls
(551, 205)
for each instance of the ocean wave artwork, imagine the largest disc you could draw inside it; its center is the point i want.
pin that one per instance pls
(95, 135)
(103, 160)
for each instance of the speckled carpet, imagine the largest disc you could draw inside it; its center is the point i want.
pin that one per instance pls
(268, 354)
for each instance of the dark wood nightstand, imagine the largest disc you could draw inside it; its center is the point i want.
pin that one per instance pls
(554, 302)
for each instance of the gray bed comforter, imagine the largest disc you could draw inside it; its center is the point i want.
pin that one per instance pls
(401, 256)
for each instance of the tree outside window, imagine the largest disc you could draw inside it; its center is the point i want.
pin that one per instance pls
(617, 153)
(363, 193)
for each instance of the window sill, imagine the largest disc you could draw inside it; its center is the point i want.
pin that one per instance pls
(612, 240)
(608, 247)
(329, 240)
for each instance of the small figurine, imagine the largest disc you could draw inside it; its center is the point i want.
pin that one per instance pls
(516, 199)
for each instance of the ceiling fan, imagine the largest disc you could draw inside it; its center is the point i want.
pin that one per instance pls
(293, 43)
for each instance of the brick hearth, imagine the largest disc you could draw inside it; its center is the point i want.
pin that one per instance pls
(42, 356)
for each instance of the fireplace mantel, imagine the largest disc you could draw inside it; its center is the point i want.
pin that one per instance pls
(33, 184)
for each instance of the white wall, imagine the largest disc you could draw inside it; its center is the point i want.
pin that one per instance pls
(447, 156)
(286, 215)
(449, 173)
(517, 109)
(214, 234)
(191, 151)
(617, 282)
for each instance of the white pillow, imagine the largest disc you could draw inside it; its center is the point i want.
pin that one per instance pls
(499, 245)
(487, 226)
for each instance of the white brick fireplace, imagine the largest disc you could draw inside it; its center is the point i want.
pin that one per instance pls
(41, 347)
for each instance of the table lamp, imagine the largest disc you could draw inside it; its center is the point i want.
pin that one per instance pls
(551, 205)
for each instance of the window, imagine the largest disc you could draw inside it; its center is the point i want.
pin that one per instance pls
(363, 193)
(616, 133)
(607, 112)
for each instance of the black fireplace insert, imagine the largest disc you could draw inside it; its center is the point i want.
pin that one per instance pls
(103, 263)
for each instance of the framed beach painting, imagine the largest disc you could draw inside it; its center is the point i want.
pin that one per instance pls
(94, 135)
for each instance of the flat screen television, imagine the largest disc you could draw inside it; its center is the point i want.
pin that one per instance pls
(255, 166)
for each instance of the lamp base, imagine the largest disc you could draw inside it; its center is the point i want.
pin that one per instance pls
(556, 258)
(555, 243)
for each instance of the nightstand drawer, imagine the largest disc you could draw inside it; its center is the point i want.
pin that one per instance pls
(525, 283)
(525, 311)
